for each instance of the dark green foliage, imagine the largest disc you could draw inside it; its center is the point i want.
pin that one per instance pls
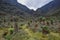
(52, 22)
(11, 31)
(21, 24)
(31, 21)
(5, 33)
(45, 30)
(28, 23)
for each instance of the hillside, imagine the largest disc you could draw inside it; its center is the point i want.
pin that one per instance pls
(49, 8)
(17, 22)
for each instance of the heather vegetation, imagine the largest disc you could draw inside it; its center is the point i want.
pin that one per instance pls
(18, 28)
(17, 22)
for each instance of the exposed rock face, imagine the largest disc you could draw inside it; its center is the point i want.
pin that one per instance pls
(49, 9)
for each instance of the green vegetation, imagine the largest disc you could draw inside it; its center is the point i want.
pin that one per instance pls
(42, 28)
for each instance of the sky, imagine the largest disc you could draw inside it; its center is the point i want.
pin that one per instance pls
(34, 4)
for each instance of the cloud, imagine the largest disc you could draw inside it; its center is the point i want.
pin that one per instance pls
(34, 4)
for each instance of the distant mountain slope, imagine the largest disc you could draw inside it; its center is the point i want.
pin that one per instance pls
(14, 8)
(49, 8)
(16, 4)
(56, 13)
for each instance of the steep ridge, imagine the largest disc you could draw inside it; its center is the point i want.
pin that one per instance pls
(48, 9)
(14, 2)
(12, 7)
